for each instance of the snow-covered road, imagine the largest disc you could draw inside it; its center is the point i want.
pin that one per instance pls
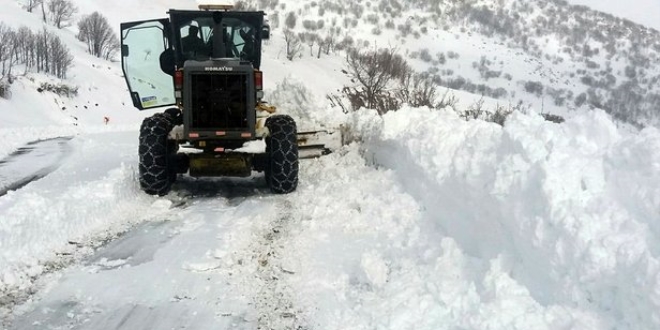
(191, 269)
(32, 162)
(221, 253)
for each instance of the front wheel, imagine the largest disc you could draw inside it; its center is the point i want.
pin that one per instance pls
(282, 151)
(156, 171)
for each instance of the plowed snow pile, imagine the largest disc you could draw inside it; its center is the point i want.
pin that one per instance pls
(531, 226)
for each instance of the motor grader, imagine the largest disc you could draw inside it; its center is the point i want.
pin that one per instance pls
(205, 66)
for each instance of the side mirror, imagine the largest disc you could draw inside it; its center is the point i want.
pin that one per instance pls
(265, 32)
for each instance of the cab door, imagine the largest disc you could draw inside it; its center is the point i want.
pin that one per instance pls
(146, 57)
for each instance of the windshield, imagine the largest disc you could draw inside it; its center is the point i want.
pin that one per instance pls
(197, 38)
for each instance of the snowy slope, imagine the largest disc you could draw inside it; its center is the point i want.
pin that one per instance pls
(427, 221)
(640, 11)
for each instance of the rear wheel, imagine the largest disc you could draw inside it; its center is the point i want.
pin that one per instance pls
(282, 150)
(156, 169)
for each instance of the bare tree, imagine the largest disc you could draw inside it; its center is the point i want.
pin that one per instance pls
(25, 42)
(321, 43)
(52, 56)
(8, 51)
(293, 44)
(5, 45)
(43, 11)
(310, 39)
(98, 34)
(29, 5)
(42, 40)
(60, 57)
(331, 39)
(61, 12)
(43, 51)
(417, 89)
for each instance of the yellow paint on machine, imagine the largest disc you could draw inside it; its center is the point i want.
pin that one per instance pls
(226, 164)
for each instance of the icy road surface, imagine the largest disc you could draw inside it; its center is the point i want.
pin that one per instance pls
(32, 162)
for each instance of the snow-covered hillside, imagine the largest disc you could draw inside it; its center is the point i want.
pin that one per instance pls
(424, 221)
(643, 12)
(538, 54)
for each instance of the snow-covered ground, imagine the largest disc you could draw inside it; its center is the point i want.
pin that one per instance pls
(643, 12)
(425, 221)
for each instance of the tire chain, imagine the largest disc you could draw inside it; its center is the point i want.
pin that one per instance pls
(155, 170)
(282, 149)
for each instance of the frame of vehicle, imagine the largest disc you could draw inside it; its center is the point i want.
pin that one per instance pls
(205, 66)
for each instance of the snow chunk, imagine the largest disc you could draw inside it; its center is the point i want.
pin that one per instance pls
(375, 268)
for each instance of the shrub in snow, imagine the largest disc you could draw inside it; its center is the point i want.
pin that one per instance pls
(268, 4)
(474, 111)
(372, 18)
(59, 89)
(425, 55)
(441, 58)
(405, 29)
(4, 90)
(290, 20)
(373, 71)
(500, 115)
(384, 81)
(356, 9)
(447, 101)
(580, 100)
(452, 55)
(534, 87)
(553, 118)
(309, 25)
(347, 42)
(417, 90)
(251, 5)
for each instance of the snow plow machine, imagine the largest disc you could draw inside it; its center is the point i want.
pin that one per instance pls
(205, 66)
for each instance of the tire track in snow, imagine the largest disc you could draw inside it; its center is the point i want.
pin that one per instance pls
(258, 273)
(255, 243)
(274, 299)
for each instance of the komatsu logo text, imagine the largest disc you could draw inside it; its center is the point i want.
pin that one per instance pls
(218, 68)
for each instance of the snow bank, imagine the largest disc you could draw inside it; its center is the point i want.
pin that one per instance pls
(562, 218)
(292, 97)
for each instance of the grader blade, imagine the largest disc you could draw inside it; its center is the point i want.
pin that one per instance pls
(314, 144)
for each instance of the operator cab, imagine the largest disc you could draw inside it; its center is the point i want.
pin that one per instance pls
(153, 50)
